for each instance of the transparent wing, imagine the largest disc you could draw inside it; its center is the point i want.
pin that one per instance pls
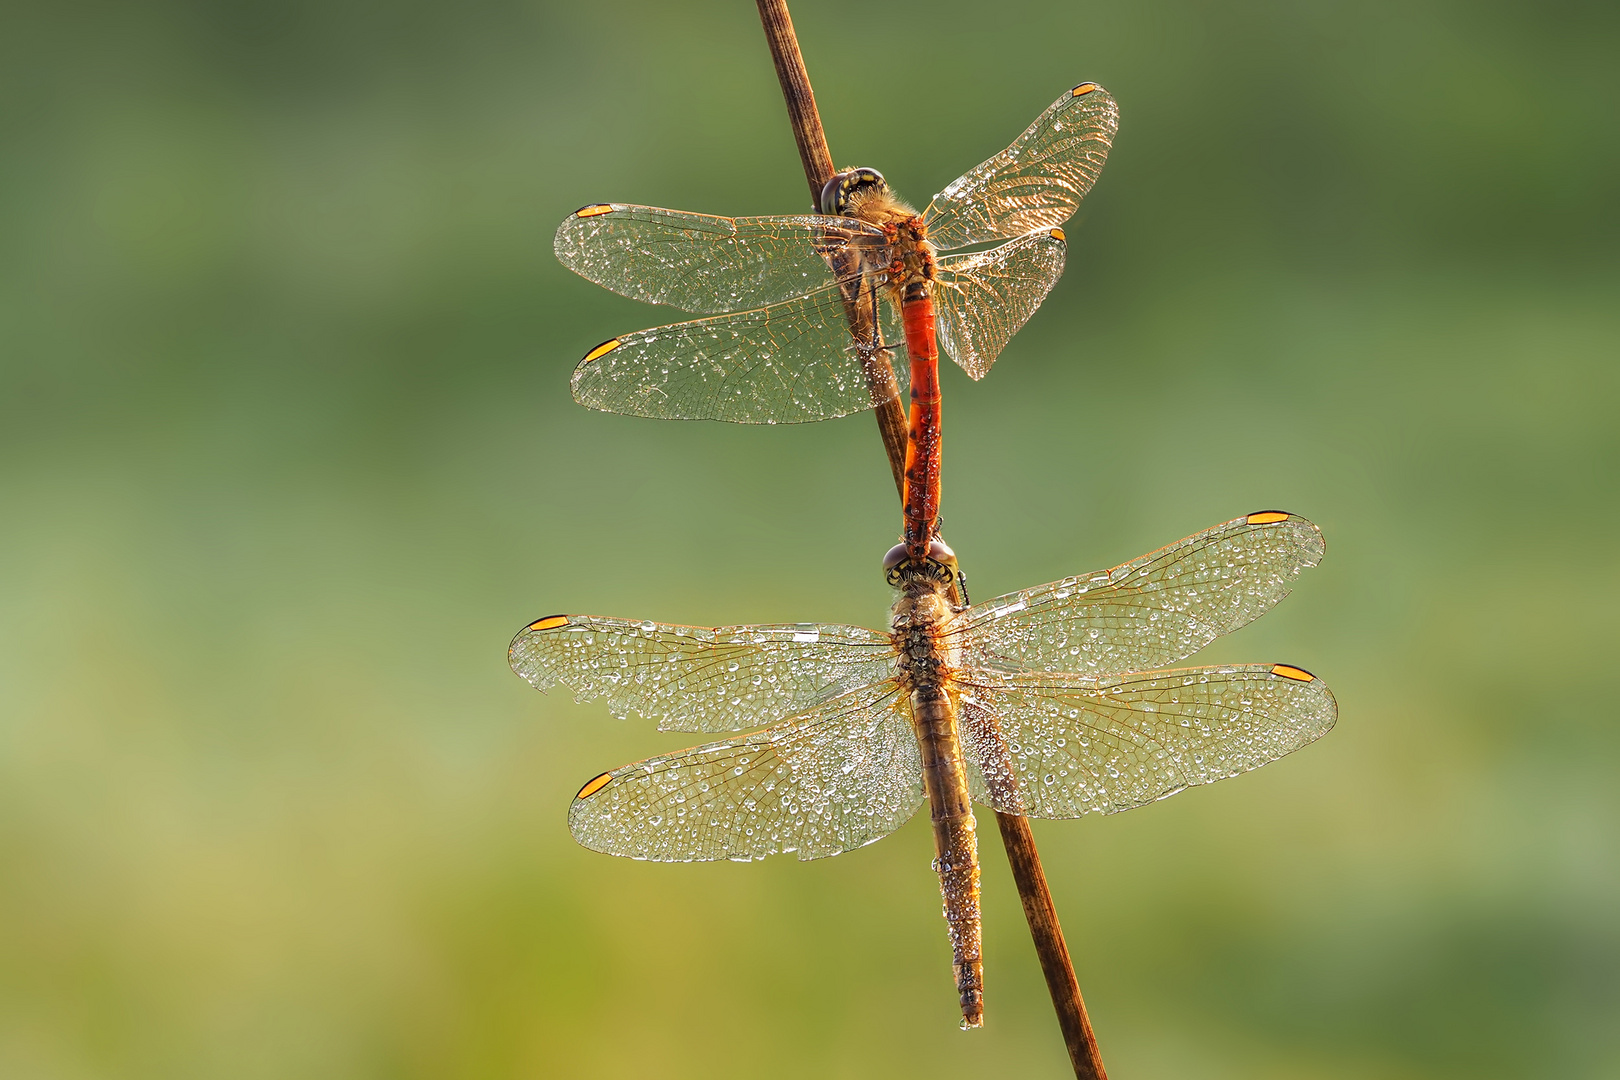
(784, 364)
(984, 297)
(1037, 182)
(834, 779)
(694, 678)
(1149, 612)
(701, 263)
(1069, 745)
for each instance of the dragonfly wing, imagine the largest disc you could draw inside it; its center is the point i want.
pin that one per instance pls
(788, 363)
(694, 678)
(1149, 612)
(1037, 182)
(701, 263)
(984, 297)
(1069, 745)
(834, 779)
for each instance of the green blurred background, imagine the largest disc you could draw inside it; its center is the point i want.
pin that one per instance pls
(287, 455)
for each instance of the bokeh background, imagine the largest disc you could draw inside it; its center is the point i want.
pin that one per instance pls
(287, 454)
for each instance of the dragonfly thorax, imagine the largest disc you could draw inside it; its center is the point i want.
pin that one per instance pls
(919, 618)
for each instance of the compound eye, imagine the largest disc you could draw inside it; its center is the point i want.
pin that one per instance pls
(836, 191)
(941, 552)
(894, 558)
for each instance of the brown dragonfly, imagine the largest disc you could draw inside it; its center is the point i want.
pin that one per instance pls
(1063, 704)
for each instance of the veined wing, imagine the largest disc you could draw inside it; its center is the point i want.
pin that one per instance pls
(694, 678)
(701, 263)
(1037, 182)
(1069, 745)
(984, 297)
(833, 779)
(1151, 611)
(788, 363)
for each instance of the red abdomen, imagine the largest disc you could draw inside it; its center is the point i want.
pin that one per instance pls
(922, 447)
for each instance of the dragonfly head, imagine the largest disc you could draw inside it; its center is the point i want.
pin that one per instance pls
(900, 569)
(850, 186)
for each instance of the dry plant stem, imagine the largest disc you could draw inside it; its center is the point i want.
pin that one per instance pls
(801, 101)
(1016, 834)
(818, 169)
(1019, 840)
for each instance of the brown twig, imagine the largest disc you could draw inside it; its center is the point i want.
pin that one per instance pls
(1016, 834)
(1019, 840)
(818, 169)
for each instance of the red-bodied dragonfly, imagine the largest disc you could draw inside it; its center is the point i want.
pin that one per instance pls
(1064, 703)
(796, 319)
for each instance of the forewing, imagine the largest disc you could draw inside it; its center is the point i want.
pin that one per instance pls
(788, 363)
(1037, 182)
(844, 775)
(1149, 612)
(701, 263)
(982, 298)
(694, 678)
(1069, 745)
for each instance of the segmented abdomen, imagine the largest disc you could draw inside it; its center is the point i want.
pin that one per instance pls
(956, 852)
(922, 447)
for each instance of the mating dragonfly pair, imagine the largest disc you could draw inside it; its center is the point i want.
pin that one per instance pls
(1052, 702)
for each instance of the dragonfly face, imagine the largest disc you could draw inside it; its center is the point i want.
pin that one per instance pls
(839, 193)
(902, 571)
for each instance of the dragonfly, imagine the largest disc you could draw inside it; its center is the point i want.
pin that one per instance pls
(1063, 702)
(800, 309)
